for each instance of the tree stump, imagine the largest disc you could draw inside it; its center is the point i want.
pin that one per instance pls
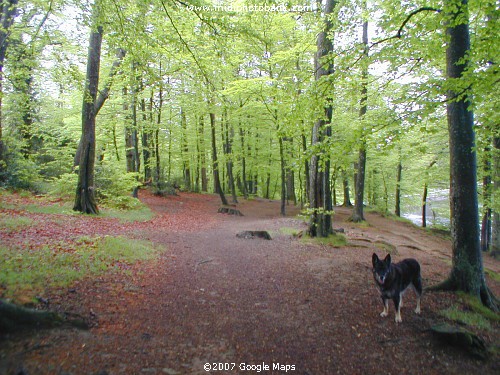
(229, 211)
(460, 337)
(248, 234)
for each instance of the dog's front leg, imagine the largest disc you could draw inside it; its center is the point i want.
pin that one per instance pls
(397, 305)
(386, 307)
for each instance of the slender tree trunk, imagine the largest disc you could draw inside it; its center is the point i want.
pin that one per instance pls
(9, 10)
(320, 200)
(345, 185)
(228, 151)
(85, 191)
(424, 207)
(145, 139)
(283, 177)
(306, 165)
(215, 163)
(103, 96)
(289, 173)
(357, 213)
(244, 184)
(486, 221)
(201, 132)
(185, 152)
(467, 273)
(397, 209)
(495, 227)
(157, 173)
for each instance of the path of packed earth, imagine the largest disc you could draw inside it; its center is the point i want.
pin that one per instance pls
(244, 304)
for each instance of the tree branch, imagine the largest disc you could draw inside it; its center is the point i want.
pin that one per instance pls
(104, 94)
(407, 19)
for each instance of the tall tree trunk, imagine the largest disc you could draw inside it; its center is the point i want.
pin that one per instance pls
(215, 163)
(228, 151)
(357, 213)
(397, 209)
(203, 166)
(495, 227)
(467, 273)
(145, 138)
(289, 173)
(320, 200)
(9, 10)
(283, 178)
(345, 185)
(185, 152)
(486, 221)
(306, 165)
(424, 206)
(103, 96)
(244, 183)
(85, 191)
(157, 174)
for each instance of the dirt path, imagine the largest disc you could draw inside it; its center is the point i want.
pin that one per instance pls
(216, 299)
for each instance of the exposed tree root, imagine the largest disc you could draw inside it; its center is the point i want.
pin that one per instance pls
(14, 318)
(486, 296)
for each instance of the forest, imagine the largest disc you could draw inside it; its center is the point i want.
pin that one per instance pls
(190, 90)
(373, 103)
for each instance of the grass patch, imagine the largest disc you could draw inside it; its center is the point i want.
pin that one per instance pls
(337, 240)
(50, 209)
(294, 232)
(141, 213)
(31, 271)
(11, 224)
(467, 317)
(471, 312)
(477, 306)
(494, 275)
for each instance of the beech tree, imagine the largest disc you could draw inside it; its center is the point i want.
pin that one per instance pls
(467, 273)
(320, 199)
(8, 12)
(85, 200)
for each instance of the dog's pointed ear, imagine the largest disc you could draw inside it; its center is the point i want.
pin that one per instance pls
(375, 259)
(387, 259)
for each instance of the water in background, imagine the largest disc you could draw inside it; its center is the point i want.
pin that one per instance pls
(437, 208)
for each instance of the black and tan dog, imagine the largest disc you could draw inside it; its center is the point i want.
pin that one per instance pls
(394, 279)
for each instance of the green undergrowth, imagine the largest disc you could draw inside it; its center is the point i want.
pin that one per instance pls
(25, 271)
(136, 211)
(471, 312)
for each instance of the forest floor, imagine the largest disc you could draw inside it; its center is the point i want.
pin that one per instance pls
(212, 298)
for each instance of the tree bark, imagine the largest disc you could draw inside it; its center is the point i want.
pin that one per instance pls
(215, 163)
(201, 132)
(186, 167)
(228, 151)
(486, 221)
(320, 200)
(85, 191)
(467, 273)
(9, 10)
(495, 226)
(424, 206)
(103, 95)
(357, 213)
(397, 209)
(345, 186)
